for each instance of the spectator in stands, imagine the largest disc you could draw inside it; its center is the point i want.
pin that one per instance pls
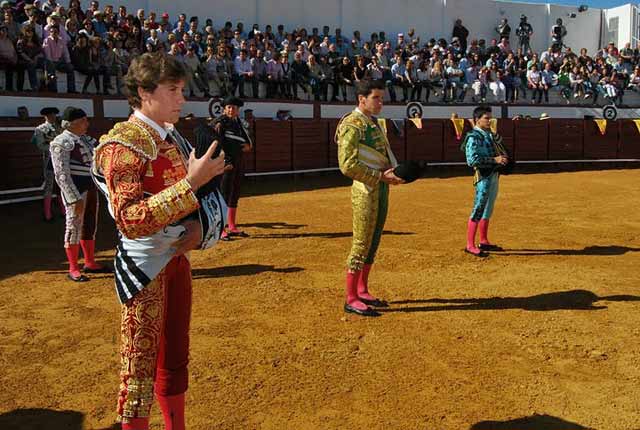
(577, 83)
(57, 58)
(87, 28)
(13, 28)
(259, 67)
(398, 79)
(498, 87)
(193, 28)
(192, 63)
(422, 82)
(8, 58)
(505, 47)
(30, 58)
(49, 6)
(345, 76)
(634, 80)
(224, 72)
(273, 75)
(286, 75)
(548, 80)
(454, 82)
(32, 21)
(242, 72)
(299, 75)
(360, 71)
(316, 80)
(83, 62)
(412, 80)
(472, 80)
(534, 79)
(121, 16)
(327, 77)
(99, 26)
(54, 20)
(153, 43)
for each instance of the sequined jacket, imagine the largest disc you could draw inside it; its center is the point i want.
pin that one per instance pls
(145, 178)
(363, 149)
(481, 151)
(44, 134)
(71, 157)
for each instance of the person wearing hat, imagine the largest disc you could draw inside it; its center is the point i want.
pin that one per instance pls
(57, 58)
(150, 181)
(71, 155)
(236, 140)
(483, 153)
(42, 137)
(364, 155)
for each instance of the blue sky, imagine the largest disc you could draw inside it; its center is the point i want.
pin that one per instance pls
(600, 4)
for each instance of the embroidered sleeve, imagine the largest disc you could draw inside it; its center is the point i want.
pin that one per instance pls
(350, 165)
(476, 157)
(135, 215)
(39, 140)
(60, 158)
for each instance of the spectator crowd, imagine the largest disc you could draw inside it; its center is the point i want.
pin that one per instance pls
(39, 38)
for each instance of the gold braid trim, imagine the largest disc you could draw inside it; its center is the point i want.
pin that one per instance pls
(135, 135)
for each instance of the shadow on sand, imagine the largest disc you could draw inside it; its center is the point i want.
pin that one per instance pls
(562, 300)
(534, 422)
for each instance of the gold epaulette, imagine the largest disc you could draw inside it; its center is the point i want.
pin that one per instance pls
(135, 135)
(350, 120)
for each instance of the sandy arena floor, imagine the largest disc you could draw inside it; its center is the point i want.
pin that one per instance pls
(541, 337)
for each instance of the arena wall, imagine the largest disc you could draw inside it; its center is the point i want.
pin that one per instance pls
(307, 145)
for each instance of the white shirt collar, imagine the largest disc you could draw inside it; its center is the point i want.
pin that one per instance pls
(371, 118)
(161, 130)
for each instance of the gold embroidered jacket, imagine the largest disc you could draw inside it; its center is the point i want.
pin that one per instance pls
(145, 177)
(363, 149)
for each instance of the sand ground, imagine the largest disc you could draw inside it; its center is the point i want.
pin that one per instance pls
(543, 336)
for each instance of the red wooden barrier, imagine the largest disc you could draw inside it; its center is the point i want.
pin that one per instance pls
(566, 139)
(629, 140)
(452, 144)
(333, 147)
(532, 139)
(273, 145)
(598, 146)
(506, 129)
(396, 135)
(310, 144)
(425, 144)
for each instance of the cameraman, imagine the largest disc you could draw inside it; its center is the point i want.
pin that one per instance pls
(524, 33)
(558, 32)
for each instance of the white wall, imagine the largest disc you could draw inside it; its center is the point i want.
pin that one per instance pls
(582, 31)
(623, 13)
(430, 18)
(9, 105)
